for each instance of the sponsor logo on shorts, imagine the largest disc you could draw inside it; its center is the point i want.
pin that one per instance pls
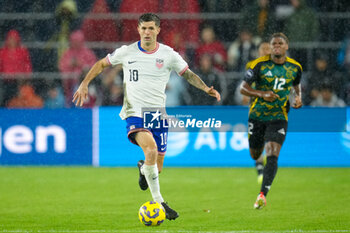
(282, 131)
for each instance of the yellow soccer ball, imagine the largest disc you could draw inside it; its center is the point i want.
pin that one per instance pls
(151, 213)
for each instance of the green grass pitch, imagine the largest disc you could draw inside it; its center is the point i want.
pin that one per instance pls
(87, 199)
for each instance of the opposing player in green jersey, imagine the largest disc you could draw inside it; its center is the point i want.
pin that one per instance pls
(274, 76)
(263, 50)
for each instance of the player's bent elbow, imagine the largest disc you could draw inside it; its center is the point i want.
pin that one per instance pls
(243, 88)
(243, 91)
(103, 63)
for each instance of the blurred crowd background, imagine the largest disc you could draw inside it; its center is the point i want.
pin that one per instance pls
(47, 46)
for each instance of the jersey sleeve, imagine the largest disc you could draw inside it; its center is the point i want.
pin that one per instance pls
(297, 78)
(117, 56)
(179, 65)
(251, 75)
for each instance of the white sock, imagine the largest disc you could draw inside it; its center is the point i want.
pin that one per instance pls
(151, 174)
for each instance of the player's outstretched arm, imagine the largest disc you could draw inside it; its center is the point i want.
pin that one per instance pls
(82, 93)
(196, 81)
(247, 90)
(297, 103)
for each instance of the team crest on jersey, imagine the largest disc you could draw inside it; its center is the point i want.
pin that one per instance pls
(159, 63)
(289, 74)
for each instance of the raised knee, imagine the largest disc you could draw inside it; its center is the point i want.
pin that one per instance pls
(150, 154)
(151, 150)
(273, 148)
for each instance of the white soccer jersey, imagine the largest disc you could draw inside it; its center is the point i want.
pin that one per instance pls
(145, 75)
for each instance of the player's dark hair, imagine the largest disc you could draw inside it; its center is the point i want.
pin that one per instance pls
(148, 17)
(280, 35)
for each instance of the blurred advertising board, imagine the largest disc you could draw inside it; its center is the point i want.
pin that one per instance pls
(46, 137)
(317, 137)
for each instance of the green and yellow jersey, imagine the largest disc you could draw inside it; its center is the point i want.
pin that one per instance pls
(269, 76)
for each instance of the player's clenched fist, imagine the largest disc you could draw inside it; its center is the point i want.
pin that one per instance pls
(297, 103)
(270, 96)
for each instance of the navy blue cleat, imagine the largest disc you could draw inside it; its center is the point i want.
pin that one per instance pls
(169, 212)
(142, 179)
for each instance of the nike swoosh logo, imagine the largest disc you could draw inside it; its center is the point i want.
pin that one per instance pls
(130, 62)
(154, 178)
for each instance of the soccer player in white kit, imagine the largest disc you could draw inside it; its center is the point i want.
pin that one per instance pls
(146, 66)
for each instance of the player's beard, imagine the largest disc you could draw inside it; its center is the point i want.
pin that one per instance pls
(278, 56)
